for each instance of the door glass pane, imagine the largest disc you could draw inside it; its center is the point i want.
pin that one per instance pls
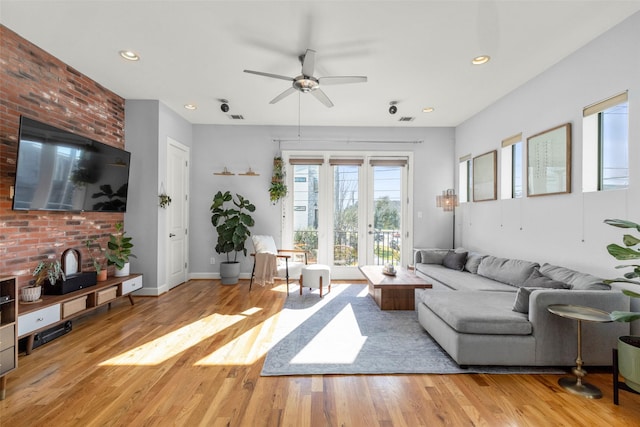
(305, 209)
(345, 215)
(387, 196)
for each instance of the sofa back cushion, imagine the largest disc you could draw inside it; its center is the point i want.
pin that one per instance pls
(432, 256)
(539, 280)
(513, 272)
(455, 260)
(575, 279)
(473, 262)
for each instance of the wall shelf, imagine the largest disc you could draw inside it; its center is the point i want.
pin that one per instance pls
(249, 172)
(225, 172)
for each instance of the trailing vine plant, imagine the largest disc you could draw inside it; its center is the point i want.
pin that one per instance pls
(278, 188)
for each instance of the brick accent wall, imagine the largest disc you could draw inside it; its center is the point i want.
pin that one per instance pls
(35, 84)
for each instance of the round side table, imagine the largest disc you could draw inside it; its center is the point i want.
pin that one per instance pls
(587, 314)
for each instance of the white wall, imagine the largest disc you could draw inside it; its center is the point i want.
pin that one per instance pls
(241, 147)
(560, 229)
(148, 125)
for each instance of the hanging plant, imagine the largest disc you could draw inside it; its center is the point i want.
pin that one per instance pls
(165, 200)
(278, 188)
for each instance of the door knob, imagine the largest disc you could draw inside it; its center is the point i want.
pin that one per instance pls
(171, 234)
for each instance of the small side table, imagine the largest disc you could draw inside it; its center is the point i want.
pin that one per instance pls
(587, 314)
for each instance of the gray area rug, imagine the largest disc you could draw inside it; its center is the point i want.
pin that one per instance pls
(346, 333)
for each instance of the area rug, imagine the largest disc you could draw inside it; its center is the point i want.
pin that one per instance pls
(346, 333)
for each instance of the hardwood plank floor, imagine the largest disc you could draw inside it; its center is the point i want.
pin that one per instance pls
(193, 356)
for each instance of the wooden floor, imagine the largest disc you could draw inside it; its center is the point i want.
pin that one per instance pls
(193, 357)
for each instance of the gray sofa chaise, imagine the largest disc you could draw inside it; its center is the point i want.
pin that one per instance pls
(485, 310)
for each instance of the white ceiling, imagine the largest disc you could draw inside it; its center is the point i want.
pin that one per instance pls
(417, 53)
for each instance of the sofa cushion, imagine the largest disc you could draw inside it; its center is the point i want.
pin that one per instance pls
(511, 271)
(577, 280)
(432, 256)
(462, 280)
(521, 304)
(455, 260)
(477, 312)
(539, 280)
(473, 261)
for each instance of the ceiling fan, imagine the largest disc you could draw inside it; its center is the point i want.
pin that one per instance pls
(307, 83)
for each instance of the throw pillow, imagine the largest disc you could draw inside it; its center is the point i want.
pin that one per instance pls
(473, 261)
(432, 256)
(539, 280)
(455, 260)
(575, 279)
(264, 244)
(521, 305)
(506, 270)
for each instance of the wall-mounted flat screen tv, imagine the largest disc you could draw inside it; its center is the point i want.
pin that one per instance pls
(60, 171)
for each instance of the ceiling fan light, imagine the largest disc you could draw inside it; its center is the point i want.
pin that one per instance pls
(306, 84)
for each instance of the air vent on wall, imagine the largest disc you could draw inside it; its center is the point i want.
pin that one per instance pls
(406, 119)
(236, 116)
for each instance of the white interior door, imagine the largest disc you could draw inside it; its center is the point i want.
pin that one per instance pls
(177, 213)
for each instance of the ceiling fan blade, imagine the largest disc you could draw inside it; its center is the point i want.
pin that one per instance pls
(341, 80)
(320, 96)
(309, 63)
(283, 95)
(273, 76)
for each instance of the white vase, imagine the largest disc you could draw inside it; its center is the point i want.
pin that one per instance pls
(124, 271)
(31, 294)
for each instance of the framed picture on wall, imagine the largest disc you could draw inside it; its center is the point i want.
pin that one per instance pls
(549, 162)
(484, 176)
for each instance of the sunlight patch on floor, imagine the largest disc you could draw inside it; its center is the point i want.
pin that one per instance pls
(167, 346)
(243, 350)
(340, 341)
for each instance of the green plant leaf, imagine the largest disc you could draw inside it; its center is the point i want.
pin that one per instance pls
(630, 240)
(631, 294)
(624, 316)
(621, 223)
(621, 253)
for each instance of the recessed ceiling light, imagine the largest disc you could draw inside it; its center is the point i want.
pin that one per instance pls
(479, 60)
(191, 106)
(428, 110)
(129, 55)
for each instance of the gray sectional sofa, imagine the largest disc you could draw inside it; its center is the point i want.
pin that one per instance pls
(485, 310)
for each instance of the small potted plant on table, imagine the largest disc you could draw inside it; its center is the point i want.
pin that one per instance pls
(45, 272)
(96, 252)
(119, 251)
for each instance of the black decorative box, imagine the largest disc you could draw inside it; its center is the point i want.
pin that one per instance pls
(73, 283)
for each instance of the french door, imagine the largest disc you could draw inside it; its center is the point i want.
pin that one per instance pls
(349, 209)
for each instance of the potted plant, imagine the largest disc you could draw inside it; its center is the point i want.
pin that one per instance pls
(278, 188)
(96, 252)
(119, 251)
(232, 220)
(45, 272)
(628, 346)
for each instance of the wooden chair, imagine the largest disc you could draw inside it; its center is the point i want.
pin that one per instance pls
(289, 261)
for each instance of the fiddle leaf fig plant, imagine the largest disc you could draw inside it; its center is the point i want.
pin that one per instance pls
(628, 252)
(231, 219)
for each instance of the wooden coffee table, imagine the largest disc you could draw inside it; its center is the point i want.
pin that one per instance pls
(393, 292)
